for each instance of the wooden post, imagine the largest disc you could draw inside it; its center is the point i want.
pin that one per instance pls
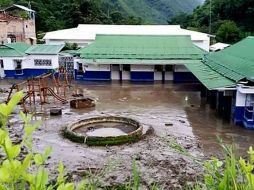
(33, 89)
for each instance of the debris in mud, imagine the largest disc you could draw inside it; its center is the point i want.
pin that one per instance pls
(77, 95)
(181, 121)
(55, 111)
(2, 90)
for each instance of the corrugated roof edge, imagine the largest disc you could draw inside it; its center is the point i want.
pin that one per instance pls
(211, 79)
(231, 70)
(18, 49)
(19, 54)
(28, 51)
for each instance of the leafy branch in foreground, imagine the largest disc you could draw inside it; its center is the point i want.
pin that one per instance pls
(231, 173)
(17, 173)
(20, 171)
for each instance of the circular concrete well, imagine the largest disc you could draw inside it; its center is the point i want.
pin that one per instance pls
(82, 103)
(103, 131)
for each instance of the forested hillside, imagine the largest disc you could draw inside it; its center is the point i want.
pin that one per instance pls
(152, 11)
(58, 14)
(231, 19)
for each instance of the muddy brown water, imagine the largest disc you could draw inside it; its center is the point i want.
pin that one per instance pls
(105, 129)
(172, 110)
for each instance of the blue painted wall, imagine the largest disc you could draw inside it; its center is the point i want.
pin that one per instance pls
(27, 73)
(93, 76)
(239, 115)
(240, 120)
(138, 76)
(184, 77)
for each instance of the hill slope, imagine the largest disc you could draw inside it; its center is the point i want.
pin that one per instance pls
(152, 11)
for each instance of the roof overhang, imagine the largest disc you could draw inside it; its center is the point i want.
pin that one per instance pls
(211, 79)
(139, 61)
(20, 7)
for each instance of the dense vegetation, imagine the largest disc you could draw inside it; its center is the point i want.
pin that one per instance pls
(57, 14)
(231, 19)
(152, 11)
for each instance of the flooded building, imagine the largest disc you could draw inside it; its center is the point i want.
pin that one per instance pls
(228, 75)
(21, 61)
(11, 57)
(17, 24)
(138, 58)
(125, 65)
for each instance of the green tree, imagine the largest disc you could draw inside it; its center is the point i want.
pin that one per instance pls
(182, 19)
(228, 32)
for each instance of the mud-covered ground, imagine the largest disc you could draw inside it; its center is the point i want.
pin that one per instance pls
(172, 111)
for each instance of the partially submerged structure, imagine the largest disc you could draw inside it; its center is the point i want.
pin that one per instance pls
(133, 52)
(229, 75)
(21, 61)
(128, 53)
(11, 57)
(138, 58)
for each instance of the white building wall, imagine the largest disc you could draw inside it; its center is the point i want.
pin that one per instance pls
(169, 76)
(97, 67)
(180, 68)
(9, 62)
(144, 68)
(28, 63)
(203, 44)
(240, 99)
(157, 76)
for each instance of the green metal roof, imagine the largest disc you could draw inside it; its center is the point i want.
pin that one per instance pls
(6, 51)
(235, 62)
(43, 49)
(208, 77)
(19, 46)
(142, 47)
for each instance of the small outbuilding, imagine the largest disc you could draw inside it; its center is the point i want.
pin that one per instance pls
(12, 57)
(41, 59)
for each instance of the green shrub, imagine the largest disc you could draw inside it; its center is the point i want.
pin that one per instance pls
(231, 173)
(16, 173)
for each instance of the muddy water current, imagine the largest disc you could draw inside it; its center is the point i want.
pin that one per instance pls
(177, 104)
(171, 110)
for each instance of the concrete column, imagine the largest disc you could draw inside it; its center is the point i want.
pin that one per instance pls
(203, 92)
(213, 99)
(220, 106)
(227, 107)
